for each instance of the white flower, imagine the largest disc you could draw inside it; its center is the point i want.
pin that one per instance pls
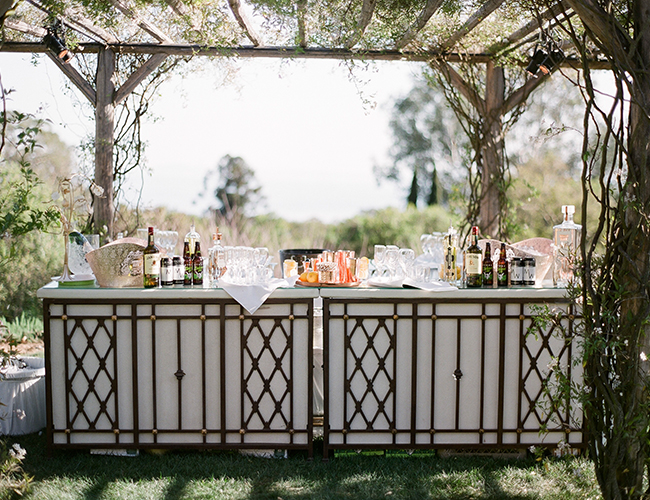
(532, 449)
(21, 414)
(552, 365)
(17, 452)
(644, 357)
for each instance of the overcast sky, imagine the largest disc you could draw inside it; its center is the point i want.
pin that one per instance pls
(310, 132)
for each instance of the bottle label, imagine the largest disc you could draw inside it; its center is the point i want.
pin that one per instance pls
(152, 264)
(198, 271)
(473, 263)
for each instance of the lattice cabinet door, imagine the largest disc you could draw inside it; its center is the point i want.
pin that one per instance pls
(475, 374)
(268, 377)
(89, 373)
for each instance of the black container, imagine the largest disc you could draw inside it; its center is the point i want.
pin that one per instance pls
(300, 255)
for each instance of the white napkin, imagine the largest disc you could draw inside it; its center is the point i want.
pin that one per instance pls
(435, 286)
(251, 297)
(385, 282)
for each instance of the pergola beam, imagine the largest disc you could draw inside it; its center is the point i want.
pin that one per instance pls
(474, 20)
(138, 76)
(529, 27)
(429, 10)
(187, 50)
(76, 78)
(142, 23)
(367, 9)
(244, 22)
(301, 6)
(23, 27)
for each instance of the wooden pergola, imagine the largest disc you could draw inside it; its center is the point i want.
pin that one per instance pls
(429, 36)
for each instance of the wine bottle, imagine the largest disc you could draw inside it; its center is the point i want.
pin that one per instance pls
(502, 267)
(488, 267)
(187, 263)
(474, 261)
(197, 265)
(151, 257)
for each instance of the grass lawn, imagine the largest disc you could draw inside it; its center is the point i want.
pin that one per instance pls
(225, 475)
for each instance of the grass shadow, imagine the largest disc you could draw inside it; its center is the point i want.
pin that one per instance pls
(208, 474)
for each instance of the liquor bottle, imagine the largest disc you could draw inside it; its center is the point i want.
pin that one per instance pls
(220, 257)
(151, 257)
(192, 237)
(474, 261)
(187, 263)
(450, 273)
(197, 265)
(566, 241)
(488, 267)
(166, 272)
(502, 267)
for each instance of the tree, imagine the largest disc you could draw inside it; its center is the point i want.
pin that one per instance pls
(233, 185)
(615, 255)
(427, 146)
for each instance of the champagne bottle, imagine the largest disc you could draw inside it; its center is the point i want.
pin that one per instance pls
(474, 261)
(488, 267)
(187, 263)
(151, 257)
(197, 265)
(502, 267)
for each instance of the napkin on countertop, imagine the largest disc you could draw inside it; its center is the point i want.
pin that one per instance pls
(251, 297)
(434, 286)
(385, 282)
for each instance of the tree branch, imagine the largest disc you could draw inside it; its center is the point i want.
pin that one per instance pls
(605, 30)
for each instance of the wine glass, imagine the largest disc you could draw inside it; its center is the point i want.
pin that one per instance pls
(380, 259)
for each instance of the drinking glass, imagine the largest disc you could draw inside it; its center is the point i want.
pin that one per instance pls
(380, 259)
(407, 259)
(392, 260)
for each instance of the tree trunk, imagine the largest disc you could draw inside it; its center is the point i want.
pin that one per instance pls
(104, 139)
(638, 248)
(490, 216)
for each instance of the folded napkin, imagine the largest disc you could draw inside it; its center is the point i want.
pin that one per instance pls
(251, 297)
(434, 286)
(385, 282)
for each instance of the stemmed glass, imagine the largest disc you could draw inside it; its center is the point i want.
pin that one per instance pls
(380, 259)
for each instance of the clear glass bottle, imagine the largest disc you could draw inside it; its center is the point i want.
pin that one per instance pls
(566, 241)
(216, 259)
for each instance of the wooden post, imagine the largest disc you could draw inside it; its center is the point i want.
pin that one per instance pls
(104, 139)
(493, 158)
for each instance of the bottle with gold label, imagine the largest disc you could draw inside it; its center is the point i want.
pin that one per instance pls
(151, 257)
